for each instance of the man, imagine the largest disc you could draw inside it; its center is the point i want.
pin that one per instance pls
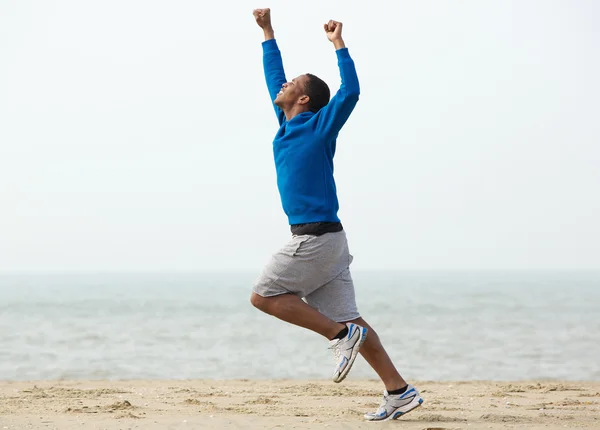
(314, 264)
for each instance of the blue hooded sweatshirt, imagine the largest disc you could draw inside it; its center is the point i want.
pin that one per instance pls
(304, 146)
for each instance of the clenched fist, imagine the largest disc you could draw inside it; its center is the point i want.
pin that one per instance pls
(263, 17)
(333, 29)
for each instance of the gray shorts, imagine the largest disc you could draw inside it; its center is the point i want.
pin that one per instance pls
(317, 269)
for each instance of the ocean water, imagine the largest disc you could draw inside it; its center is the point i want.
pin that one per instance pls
(435, 326)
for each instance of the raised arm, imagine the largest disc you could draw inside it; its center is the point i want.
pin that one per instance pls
(333, 116)
(272, 62)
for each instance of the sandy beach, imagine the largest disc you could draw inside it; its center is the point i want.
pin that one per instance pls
(285, 404)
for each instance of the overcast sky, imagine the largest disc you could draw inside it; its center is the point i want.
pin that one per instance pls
(137, 134)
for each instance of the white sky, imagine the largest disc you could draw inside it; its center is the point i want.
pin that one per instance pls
(137, 134)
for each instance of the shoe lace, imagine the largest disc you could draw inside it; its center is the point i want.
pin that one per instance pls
(383, 402)
(381, 406)
(336, 350)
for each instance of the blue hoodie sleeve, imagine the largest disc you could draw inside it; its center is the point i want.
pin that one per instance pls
(274, 73)
(334, 115)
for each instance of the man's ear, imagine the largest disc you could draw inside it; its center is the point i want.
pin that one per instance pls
(303, 100)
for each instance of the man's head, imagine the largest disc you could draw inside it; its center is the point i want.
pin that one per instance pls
(306, 93)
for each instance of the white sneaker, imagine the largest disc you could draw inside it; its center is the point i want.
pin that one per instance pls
(394, 406)
(345, 350)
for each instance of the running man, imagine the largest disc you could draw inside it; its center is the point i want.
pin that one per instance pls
(315, 264)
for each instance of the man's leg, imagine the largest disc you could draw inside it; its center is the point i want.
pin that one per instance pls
(337, 301)
(400, 397)
(377, 357)
(299, 269)
(292, 309)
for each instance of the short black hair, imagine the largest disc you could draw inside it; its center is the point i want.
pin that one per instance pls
(318, 92)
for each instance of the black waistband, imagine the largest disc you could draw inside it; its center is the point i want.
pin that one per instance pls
(316, 228)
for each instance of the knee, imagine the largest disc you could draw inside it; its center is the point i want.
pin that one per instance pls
(258, 302)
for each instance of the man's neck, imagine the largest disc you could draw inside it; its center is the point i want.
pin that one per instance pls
(296, 110)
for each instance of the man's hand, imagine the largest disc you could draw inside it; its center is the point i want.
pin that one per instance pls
(333, 29)
(263, 19)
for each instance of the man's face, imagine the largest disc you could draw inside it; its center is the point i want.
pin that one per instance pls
(291, 92)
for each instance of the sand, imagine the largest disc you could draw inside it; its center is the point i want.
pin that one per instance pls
(292, 405)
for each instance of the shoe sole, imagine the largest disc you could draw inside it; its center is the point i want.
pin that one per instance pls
(399, 412)
(352, 357)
